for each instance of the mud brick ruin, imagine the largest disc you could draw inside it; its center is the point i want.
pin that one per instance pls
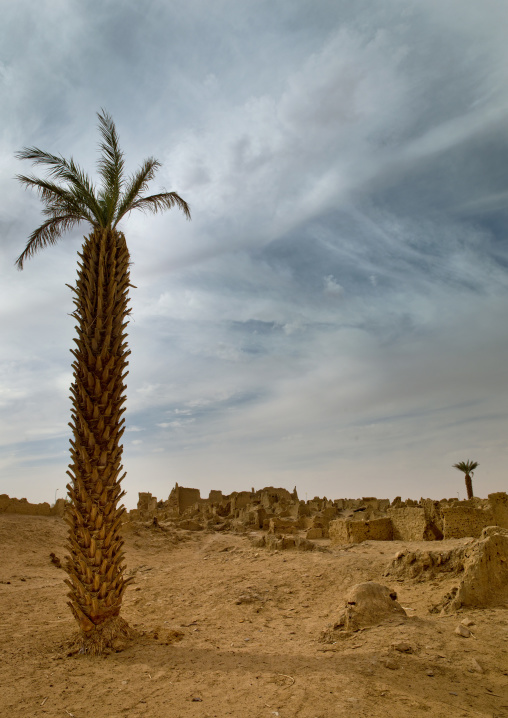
(22, 506)
(287, 522)
(282, 520)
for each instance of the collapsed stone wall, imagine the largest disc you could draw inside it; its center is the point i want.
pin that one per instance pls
(22, 506)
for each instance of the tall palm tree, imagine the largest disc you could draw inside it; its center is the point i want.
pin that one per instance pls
(95, 565)
(467, 467)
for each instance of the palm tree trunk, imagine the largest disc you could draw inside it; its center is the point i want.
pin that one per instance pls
(469, 486)
(95, 565)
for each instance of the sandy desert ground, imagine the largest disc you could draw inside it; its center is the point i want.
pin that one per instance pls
(227, 629)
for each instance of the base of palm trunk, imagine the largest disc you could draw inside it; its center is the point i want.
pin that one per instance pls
(111, 635)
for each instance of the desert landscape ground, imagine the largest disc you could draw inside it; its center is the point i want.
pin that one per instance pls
(226, 628)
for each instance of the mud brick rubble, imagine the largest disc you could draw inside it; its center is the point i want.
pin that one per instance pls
(281, 520)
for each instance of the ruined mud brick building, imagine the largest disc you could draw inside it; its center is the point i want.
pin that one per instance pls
(286, 521)
(22, 506)
(280, 513)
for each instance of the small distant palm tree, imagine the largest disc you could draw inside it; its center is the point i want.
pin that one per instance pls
(467, 467)
(95, 566)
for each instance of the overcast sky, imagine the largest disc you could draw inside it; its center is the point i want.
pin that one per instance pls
(335, 315)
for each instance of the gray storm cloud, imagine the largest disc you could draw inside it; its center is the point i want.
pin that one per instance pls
(333, 317)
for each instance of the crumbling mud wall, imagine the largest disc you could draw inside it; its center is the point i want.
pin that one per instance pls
(215, 497)
(413, 523)
(180, 499)
(460, 521)
(147, 505)
(22, 506)
(344, 531)
(480, 567)
(499, 507)
(485, 579)
(282, 515)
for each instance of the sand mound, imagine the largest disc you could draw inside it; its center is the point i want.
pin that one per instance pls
(366, 604)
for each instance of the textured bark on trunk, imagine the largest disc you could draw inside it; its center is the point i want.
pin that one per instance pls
(95, 564)
(469, 486)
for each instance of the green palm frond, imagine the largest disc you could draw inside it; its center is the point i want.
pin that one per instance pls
(48, 191)
(55, 198)
(111, 165)
(48, 233)
(467, 467)
(159, 202)
(58, 167)
(137, 184)
(76, 199)
(66, 171)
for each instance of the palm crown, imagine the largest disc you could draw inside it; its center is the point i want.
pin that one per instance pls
(467, 467)
(77, 200)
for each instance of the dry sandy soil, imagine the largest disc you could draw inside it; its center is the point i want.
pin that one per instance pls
(225, 629)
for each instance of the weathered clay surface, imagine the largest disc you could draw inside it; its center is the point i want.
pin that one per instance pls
(485, 579)
(369, 604)
(426, 565)
(481, 567)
